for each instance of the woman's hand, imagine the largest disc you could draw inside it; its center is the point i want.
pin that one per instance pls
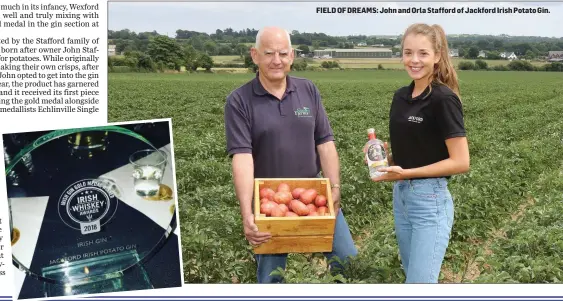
(392, 173)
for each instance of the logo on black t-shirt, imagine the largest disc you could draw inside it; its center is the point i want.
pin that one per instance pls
(416, 119)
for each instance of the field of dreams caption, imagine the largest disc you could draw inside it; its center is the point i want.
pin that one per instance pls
(431, 10)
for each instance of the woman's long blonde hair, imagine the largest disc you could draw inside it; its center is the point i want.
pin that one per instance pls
(444, 71)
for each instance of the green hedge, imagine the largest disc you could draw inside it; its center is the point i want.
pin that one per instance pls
(228, 65)
(512, 66)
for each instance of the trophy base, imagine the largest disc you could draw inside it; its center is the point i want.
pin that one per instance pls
(102, 274)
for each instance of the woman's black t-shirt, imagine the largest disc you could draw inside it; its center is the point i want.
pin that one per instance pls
(419, 126)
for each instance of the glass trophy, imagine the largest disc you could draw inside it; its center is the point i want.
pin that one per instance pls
(96, 206)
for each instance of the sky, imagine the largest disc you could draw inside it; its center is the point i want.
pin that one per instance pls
(167, 17)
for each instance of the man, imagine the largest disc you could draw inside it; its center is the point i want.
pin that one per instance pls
(268, 139)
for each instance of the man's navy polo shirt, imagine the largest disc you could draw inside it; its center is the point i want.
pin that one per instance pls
(281, 135)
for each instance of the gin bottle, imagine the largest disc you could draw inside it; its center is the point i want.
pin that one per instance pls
(375, 154)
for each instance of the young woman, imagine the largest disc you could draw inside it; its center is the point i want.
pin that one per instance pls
(429, 145)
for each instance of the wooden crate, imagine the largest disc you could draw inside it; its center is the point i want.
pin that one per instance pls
(303, 234)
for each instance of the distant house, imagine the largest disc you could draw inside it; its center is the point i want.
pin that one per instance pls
(482, 54)
(555, 56)
(296, 52)
(508, 55)
(111, 50)
(454, 52)
(362, 44)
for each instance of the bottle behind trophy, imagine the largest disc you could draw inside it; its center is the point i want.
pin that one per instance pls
(375, 154)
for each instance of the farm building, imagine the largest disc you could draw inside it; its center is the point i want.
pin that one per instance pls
(355, 53)
(454, 52)
(508, 55)
(111, 50)
(555, 56)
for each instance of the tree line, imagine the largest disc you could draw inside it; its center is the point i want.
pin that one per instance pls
(190, 50)
(164, 53)
(512, 66)
(161, 53)
(231, 42)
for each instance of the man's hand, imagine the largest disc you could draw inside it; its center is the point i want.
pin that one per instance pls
(251, 233)
(243, 174)
(331, 169)
(392, 173)
(336, 199)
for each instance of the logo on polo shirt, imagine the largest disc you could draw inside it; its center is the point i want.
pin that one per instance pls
(415, 119)
(86, 205)
(303, 112)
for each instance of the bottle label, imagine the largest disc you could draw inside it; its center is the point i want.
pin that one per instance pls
(376, 156)
(379, 163)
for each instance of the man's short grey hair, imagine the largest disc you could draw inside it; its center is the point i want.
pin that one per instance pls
(259, 36)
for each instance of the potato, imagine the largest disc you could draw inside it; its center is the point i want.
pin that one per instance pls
(322, 210)
(308, 196)
(297, 192)
(282, 197)
(312, 207)
(266, 208)
(264, 200)
(291, 214)
(291, 202)
(320, 200)
(284, 187)
(299, 208)
(277, 211)
(267, 193)
(313, 213)
(284, 208)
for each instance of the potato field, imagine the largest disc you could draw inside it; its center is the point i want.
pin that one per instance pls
(508, 223)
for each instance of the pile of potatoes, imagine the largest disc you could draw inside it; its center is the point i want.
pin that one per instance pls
(292, 203)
